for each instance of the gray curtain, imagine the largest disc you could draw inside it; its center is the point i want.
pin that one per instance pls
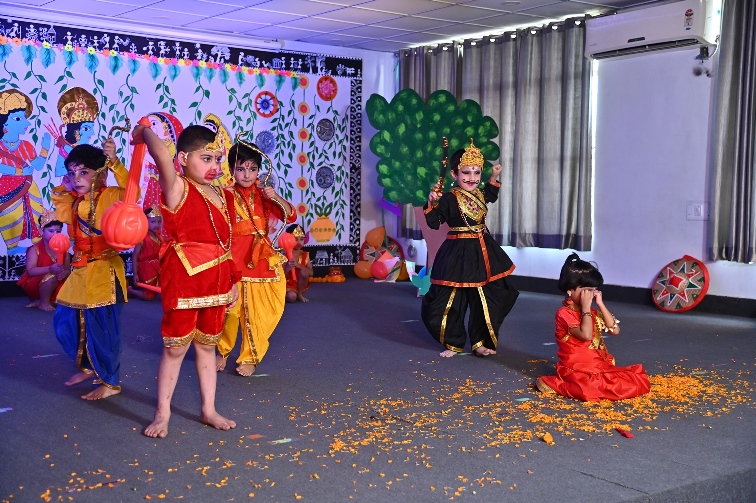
(536, 86)
(732, 230)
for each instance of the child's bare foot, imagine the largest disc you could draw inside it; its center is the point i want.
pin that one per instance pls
(158, 428)
(447, 354)
(77, 378)
(220, 362)
(302, 298)
(46, 307)
(34, 303)
(484, 351)
(246, 369)
(100, 393)
(217, 421)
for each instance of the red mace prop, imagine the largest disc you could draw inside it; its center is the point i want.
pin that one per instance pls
(124, 224)
(60, 244)
(287, 241)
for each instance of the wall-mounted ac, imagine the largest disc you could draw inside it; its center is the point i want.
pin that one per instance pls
(680, 24)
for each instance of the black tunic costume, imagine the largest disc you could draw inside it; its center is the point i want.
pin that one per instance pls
(469, 271)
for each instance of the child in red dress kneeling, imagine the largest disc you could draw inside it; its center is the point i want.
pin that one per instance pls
(585, 370)
(44, 276)
(146, 257)
(299, 268)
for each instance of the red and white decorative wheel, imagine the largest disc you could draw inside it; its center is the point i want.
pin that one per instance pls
(681, 285)
(373, 253)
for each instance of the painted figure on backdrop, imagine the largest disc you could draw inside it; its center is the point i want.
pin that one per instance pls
(44, 277)
(146, 257)
(87, 320)
(78, 110)
(213, 122)
(585, 370)
(20, 198)
(262, 286)
(470, 269)
(167, 128)
(299, 268)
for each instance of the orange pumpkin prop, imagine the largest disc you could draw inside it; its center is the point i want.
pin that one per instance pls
(124, 224)
(287, 241)
(362, 269)
(60, 244)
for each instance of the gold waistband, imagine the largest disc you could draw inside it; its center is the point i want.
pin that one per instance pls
(472, 228)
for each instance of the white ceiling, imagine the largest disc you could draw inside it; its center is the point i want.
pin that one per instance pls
(380, 25)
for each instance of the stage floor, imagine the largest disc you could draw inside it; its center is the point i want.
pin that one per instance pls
(353, 403)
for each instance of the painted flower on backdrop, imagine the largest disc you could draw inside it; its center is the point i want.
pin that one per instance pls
(302, 183)
(303, 108)
(303, 134)
(266, 104)
(302, 158)
(304, 82)
(302, 209)
(327, 88)
(266, 141)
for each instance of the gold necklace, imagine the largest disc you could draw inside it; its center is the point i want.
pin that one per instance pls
(224, 212)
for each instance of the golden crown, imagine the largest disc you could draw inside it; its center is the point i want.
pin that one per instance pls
(47, 217)
(14, 100)
(472, 156)
(298, 232)
(155, 211)
(77, 111)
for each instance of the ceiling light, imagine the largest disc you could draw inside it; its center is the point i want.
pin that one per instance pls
(513, 35)
(532, 32)
(473, 42)
(446, 48)
(492, 40)
(554, 27)
(577, 22)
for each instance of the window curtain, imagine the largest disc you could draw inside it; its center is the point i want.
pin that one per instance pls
(732, 229)
(536, 86)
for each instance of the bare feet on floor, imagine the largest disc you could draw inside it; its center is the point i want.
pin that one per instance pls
(220, 362)
(34, 303)
(217, 421)
(447, 354)
(302, 298)
(100, 393)
(77, 378)
(484, 351)
(246, 369)
(46, 307)
(158, 428)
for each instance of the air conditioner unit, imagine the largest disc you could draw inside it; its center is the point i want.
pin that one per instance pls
(680, 24)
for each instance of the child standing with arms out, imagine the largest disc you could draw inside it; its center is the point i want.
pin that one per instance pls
(470, 268)
(87, 320)
(299, 268)
(262, 286)
(44, 277)
(585, 370)
(146, 256)
(197, 273)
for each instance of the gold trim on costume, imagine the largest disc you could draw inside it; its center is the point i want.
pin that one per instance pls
(446, 314)
(47, 277)
(472, 204)
(472, 156)
(470, 228)
(246, 279)
(191, 271)
(495, 183)
(180, 203)
(544, 388)
(97, 304)
(245, 312)
(177, 342)
(453, 348)
(429, 209)
(82, 341)
(488, 316)
(195, 335)
(223, 299)
(468, 285)
(476, 345)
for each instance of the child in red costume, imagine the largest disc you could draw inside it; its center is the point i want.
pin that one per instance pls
(146, 257)
(198, 276)
(585, 370)
(44, 276)
(299, 268)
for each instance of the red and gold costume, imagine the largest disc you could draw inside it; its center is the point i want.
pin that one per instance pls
(148, 263)
(585, 370)
(292, 277)
(197, 273)
(262, 289)
(30, 284)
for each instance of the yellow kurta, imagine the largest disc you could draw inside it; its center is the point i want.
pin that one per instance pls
(92, 285)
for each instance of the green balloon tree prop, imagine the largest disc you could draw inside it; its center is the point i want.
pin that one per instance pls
(409, 140)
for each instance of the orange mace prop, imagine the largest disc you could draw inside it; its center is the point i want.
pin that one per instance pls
(60, 244)
(124, 224)
(287, 241)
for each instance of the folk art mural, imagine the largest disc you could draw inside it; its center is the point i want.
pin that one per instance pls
(61, 87)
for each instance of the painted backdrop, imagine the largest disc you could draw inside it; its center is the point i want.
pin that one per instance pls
(61, 86)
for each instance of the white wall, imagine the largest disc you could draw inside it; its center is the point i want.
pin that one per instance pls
(651, 159)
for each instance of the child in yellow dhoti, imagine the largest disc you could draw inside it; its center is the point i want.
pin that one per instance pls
(262, 289)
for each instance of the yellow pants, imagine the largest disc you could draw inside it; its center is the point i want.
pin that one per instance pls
(259, 310)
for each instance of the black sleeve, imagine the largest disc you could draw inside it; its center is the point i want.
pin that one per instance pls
(440, 213)
(491, 192)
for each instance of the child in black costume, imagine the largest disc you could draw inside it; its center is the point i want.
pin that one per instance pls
(470, 268)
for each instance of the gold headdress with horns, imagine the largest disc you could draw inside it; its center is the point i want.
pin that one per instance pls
(472, 156)
(46, 217)
(298, 232)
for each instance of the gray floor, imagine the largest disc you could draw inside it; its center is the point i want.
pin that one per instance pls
(353, 403)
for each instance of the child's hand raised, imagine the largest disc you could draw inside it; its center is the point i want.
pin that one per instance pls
(269, 192)
(586, 299)
(137, 134)
(109, 149)
(495, 172)
(599, 298)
